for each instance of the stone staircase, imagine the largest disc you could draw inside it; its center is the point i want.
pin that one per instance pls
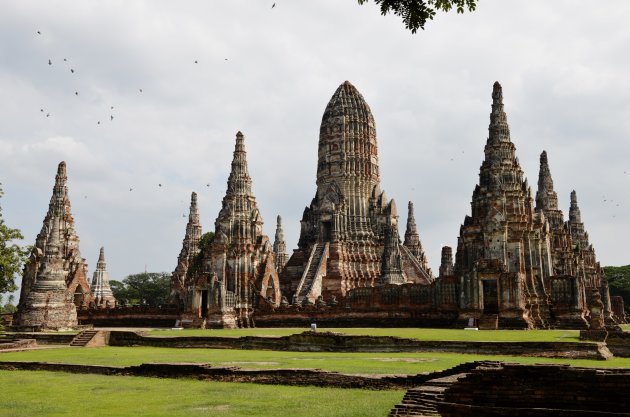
(83, 338)
(488, 322)
(423, 400)
(311, 273)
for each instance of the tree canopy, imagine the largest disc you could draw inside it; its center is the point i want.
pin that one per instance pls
(415, 13)
(150, 288)
(12, 256)
(619, 282)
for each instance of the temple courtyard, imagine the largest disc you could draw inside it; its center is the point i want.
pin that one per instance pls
(62, 391)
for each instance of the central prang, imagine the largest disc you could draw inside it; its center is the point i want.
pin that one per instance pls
(349, 234)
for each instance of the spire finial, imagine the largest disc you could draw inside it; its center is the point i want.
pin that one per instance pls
(546, 197)
(497, 93)
(61, 168)
(575, 216)
(280, 247)
(499, 131)
(101, 255)
(279, 238)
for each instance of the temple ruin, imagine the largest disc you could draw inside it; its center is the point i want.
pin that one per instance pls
(349, 233)
(518, 263)
(521, 266)
(235, 271)
(54, 280)
(190, 249)
(102, 295)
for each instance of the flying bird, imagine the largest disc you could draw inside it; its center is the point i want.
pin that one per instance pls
(273, 5)
(49, 62)
(72, 70)
(76, 93)
(207, 185)
(98, 123)
(111, 117)
(41, 110)
(39, 33)
(130, 188)
(183, 215)
(159, 185)
(112, 108)
(196, 62)
(141, 90)
(47, 114)
(65, 60)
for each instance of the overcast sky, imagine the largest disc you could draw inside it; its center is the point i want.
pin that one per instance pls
(564, 66)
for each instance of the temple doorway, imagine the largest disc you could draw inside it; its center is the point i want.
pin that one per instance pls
(271, 291)
(490, 297)
(326, 231)
(204, 303)
(79, 296)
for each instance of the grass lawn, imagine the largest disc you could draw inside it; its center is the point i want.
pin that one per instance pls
(38, 393)
(626, 327)
(410, 333)
(356, 363)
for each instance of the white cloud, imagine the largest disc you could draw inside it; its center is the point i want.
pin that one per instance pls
(563, 68)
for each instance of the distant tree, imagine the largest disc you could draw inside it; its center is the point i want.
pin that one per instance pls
(205, 240)
(119, 291)
(12, 256)
(151, 288)
(415, 13)
(619, 282)
(7, 307)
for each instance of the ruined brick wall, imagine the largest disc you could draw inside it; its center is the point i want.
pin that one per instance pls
(554, 390)
(136, 316)
(406, 305)
(330, 342)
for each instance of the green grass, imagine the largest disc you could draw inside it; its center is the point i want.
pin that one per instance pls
(356, 363)
(38, 393)
(626, 327)
(411, 333)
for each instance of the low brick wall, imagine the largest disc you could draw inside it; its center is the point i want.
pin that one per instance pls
(17, 344)
(539, 390)
(45, 338)
(138, 316)
(299, 377)
(330, 342)
(619, 344)
(339, 316)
